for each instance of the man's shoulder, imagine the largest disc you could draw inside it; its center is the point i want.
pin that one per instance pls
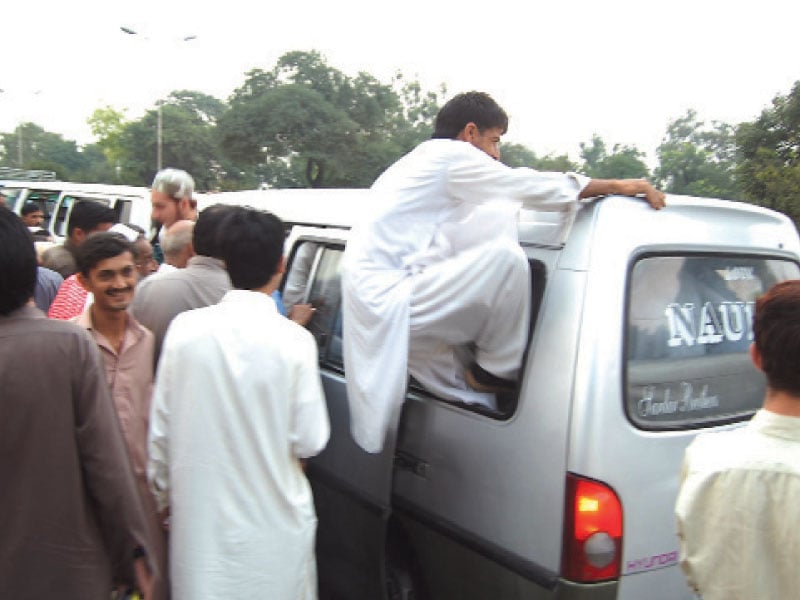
(45, 275)
(742, 449)
(195, 322)
(31, 328)
(163, 285)
(717, 444)
(292, 335)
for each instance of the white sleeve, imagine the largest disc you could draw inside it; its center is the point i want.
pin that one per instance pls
(158, 433)
(310, 426)
(475, 177)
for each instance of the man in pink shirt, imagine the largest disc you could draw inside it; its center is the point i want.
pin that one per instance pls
(107, 269)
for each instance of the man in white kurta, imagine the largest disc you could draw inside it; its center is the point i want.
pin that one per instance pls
(238, 402)
(437, 267)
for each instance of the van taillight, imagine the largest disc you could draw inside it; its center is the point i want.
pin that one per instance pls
(592, 548)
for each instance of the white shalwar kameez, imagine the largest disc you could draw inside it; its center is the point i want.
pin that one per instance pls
(438, 266)
(238, 401)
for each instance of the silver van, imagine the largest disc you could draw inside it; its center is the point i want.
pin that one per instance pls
(639, 334)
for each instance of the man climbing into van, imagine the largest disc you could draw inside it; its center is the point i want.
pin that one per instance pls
(436, 270)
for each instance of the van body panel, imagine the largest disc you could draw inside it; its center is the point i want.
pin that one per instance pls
(662, 584)
(467, 455)
(625, 226)
(328, 208)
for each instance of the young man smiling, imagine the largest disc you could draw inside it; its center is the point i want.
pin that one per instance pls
(107, 269)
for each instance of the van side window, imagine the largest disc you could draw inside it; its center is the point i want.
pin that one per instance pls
(65, 208)
(689, 327)
(47, 201)
(506, 403)
(313, 277)
(122, 208)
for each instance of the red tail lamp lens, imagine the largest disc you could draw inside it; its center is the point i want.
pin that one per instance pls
(592, 531)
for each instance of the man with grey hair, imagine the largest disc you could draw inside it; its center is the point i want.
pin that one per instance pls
(176, 243)
(171, 197)
(171, 200)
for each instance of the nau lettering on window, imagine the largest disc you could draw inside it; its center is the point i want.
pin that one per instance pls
(709, 324)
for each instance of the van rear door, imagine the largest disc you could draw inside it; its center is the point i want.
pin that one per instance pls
(351, 487)
(663, 354)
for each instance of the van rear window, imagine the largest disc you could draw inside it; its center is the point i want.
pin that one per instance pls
(689, 327)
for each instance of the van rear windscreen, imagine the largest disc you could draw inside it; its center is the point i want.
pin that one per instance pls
(689, 327)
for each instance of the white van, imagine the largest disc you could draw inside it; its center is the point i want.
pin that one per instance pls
(56, 198)
(639, 334)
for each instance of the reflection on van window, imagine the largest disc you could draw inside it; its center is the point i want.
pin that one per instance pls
(314, 277)
(68, 201)
(688, 333)
(12, 197)
(294, 290)
(47, 201)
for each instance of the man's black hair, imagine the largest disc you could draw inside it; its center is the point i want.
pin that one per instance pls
(30, 207)
(252, 246)
(205, 236)
(17, 263)
(88, 216)
(100, 246)
(469, 107)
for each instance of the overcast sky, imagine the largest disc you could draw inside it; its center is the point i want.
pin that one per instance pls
(563, 70)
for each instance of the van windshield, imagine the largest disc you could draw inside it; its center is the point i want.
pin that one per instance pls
(689, 327)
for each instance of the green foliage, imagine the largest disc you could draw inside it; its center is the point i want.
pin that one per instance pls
(698, 160)
(624, 162)
(188, 142)
(305, 123)
(517, 155)
(769, 147)
(48, 151)
(107, 125)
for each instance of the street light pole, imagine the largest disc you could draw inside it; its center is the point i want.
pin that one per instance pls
(159, 104)
(159, 137)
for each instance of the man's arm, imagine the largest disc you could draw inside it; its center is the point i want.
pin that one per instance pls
(310, 426)
(625, 187)
(158, 434)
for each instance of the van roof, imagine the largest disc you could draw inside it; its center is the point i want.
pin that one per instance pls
(345, 207)
(76, 187)
(327, 207)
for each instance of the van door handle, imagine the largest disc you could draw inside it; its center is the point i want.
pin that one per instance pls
(408, 462)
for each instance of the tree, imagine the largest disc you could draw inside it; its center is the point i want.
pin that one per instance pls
(624, 162)
(698, 160)
(306, 123)
(188, 141)
(48, 151)
(107, 125)
(518, 155)
(291, 121)
(769, 149)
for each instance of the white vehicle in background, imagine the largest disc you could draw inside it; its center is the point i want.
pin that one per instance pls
(57, 198)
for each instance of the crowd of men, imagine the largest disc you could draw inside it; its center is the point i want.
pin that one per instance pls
(158, 403)
(111, 466)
